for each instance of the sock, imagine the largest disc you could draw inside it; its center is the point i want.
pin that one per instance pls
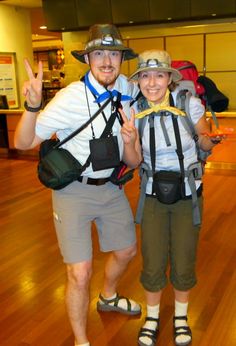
(152, 311)
(181, 309)
(122, 303)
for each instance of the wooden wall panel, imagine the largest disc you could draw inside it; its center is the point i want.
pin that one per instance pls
(125, 65)
(139, 45)
(221, 51)
(186, 47)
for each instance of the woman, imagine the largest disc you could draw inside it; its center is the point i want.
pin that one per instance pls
(168, 233)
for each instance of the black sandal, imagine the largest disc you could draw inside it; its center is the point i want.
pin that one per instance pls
(149, 333)
(182, 330)
(107, 305)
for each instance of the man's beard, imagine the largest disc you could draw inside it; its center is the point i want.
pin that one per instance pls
(106, 82)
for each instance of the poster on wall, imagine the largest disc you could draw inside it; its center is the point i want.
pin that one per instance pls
(8, 84)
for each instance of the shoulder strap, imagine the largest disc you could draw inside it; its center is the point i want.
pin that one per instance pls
(82, 127)
(182, 102)
(136, 98)
(179, 151)
(141, 124)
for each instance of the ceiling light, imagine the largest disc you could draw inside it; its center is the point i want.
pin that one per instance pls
(43, 27)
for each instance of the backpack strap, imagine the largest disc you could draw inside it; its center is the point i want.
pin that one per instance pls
(139, 95)
(179, 152)
(145, 173)
(141, 124)
(190, 174)
(183, 100)
(213, 114)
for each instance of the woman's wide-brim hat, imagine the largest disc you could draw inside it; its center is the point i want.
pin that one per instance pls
(104, 37)
(156, 60)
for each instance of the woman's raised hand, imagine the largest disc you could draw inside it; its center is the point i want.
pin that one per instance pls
(32, 89)
(128, 130)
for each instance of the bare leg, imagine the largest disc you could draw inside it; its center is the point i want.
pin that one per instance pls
(181, 296)
(115, 267)
(77, 298)
(153, 298)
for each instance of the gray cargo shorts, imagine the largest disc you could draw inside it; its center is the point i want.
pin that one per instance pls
(77, 205)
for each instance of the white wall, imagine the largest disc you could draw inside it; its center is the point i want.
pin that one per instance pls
(15, 36)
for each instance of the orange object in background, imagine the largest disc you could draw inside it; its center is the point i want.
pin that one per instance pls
(221, 132)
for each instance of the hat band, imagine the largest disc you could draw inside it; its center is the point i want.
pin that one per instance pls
(153, 63)
(104, 42)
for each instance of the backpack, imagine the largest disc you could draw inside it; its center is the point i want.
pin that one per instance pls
(201, 86)
(190, 75)
(182, 102)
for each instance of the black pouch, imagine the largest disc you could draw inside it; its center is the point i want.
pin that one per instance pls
(120, 176)
(57, 167)
(104, 153)
(168, 186)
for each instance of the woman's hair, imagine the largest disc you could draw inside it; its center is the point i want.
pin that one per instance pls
(173, 86)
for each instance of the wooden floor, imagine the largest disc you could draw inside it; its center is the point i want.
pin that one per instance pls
(32, 275)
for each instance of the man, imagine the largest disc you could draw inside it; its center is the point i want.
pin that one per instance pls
(93, 197)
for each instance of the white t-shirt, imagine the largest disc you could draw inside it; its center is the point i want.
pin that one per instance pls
(69, 110)
(166, 157)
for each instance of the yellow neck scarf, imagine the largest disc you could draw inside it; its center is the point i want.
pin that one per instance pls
(163, 106)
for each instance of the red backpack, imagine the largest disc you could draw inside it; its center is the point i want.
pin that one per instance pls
(189, 73)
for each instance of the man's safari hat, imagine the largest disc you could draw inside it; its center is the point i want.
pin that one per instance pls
(104, 37)
(156, 60)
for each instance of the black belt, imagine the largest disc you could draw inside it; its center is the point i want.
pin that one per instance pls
(91, 181)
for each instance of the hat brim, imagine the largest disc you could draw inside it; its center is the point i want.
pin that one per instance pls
(176, 75)
(128, 52)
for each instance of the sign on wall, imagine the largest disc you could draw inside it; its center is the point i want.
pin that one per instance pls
(8, 84)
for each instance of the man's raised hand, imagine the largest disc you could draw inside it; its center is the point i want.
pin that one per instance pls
(32, 89)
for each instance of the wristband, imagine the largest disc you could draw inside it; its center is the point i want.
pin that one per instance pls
(31, 109)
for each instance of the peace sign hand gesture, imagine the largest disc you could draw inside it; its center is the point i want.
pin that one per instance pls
(32, 89)
(128, 130)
